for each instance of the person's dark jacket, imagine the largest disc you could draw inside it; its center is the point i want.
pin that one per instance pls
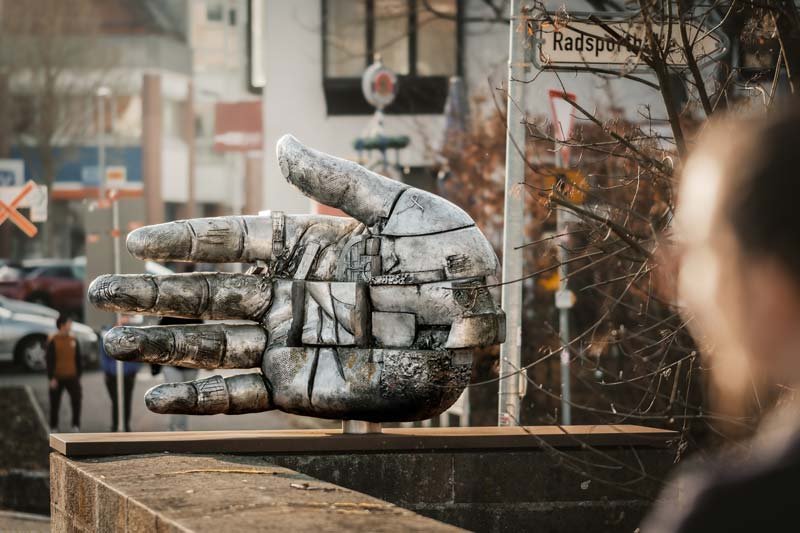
(755, 491)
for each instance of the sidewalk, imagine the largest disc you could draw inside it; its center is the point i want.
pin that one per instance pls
(11, 521)
(96, 411)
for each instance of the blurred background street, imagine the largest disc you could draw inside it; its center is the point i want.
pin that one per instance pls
(96, 416)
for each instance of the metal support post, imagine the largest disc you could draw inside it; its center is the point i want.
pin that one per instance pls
(360, 427)
(102, 94)
(563, 312)
(510, 351)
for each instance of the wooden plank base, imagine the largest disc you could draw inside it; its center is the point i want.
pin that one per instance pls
(316, 441)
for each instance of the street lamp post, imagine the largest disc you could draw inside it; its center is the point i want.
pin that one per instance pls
(102, 94)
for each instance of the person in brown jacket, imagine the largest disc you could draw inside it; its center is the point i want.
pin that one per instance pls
(64, 372)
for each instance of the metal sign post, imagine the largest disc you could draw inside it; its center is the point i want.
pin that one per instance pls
(563, 120)
(510, 350)
(102, 94)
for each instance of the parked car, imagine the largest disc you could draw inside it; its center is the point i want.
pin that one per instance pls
(56, 283)
(25, 327)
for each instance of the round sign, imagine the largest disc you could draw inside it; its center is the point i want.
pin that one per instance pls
(379, 85)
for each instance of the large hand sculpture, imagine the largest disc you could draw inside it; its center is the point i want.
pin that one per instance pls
(372, 318)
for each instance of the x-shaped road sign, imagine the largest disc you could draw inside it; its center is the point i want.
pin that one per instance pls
(9, 210)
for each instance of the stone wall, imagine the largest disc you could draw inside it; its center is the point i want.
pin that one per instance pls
(23, 453)
(553, 483)
(552, 490)
(168, 493)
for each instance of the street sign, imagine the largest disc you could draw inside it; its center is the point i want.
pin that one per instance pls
(379, 85)
(12, 172)
(31, 196)
(116, 176)
(565, 299)
(238, 126)
(582, 44)
(36, 201)
(570, 183)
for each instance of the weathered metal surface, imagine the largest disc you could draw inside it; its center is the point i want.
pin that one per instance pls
(369, 319)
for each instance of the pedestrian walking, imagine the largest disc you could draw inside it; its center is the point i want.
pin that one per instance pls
(64, 372)
(129, 371)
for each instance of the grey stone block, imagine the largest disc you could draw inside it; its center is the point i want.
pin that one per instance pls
(79, 497)
(111, 509)
(551, 518)
(139, 519)
(398, 478)
(563, 475)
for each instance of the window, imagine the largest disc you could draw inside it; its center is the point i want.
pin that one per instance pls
(436, 49)
(232, 17)
(346, 43)
(418, 40)
(214, 12)
(391, 31)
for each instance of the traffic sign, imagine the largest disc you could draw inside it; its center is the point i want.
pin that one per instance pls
(116, 176)
(12, 172)
(581, 43)
(570, 183)
(30, 195)
(565, 299)
(379, 85)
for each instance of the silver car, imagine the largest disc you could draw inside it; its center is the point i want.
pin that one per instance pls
(25, 327)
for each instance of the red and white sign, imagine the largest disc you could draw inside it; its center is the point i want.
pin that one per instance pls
(116, 176)
(29, 195)
(238, 127)
(379, 85)
(563, 120)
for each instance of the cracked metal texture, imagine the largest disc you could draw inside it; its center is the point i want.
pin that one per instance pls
(366, 318)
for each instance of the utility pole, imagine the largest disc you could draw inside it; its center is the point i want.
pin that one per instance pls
(510, 351)
(102, 94)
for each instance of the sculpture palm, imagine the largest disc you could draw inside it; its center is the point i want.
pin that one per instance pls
(366, 318)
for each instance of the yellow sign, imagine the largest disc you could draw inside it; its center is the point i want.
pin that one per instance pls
(550, 282)
(568, 182)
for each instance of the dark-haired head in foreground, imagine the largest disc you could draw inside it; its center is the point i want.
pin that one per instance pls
(738, 227)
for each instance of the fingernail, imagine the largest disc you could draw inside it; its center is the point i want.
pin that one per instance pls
(174, 398)
(165, 242)
(124, 293)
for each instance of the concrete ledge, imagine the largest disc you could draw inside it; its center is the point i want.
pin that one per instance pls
(591, 478)
(327, 441)
(167, 493)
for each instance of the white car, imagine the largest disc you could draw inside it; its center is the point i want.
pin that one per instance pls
(24, 329)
